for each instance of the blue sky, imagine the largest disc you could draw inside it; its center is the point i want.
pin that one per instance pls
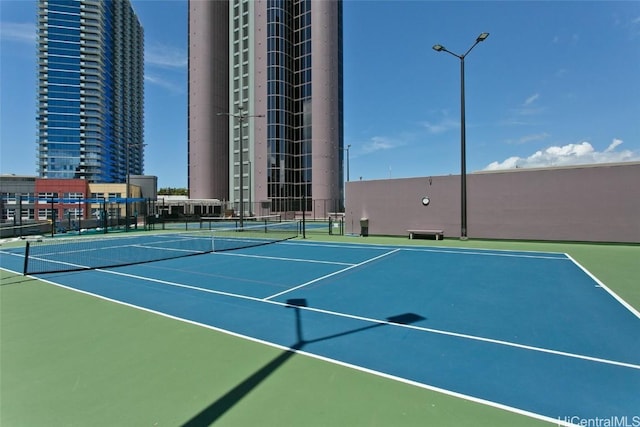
(556, 83)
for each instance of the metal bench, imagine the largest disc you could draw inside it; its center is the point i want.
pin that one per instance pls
(439, 234)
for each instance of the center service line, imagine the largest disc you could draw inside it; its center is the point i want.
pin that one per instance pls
(331, 274)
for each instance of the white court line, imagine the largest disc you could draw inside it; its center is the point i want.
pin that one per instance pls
(21, 255)
(323, 358)
(430, 330)
(372, 320)
(312, 261)
(472, 252)
(606, 288)
(338, 362)
(331, 274)
(70, 264)
(482, 339)
(192, 251)
(85, 267)
(181, 285)
(466, 251)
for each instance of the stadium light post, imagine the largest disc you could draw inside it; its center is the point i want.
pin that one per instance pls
(463, 156)
(241, 115)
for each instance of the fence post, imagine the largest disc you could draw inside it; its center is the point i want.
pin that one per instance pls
(53, 219)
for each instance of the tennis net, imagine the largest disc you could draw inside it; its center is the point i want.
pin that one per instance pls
(225, 239)
(63, 255)
(234, 221)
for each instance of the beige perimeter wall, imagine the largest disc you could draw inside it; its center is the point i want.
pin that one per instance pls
(597, 203)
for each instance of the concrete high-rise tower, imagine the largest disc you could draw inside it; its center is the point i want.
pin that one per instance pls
(281, 60)
(90, 90)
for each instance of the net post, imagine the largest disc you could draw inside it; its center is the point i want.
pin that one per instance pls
(26, 259)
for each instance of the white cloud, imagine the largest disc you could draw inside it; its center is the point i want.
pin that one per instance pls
(165, 56)
(566, 39)
(530, 138)
(23, 32)
(522, 114)
(164, 83)
(510, 163)
(443, 126)
(378, 143)
(613, 145)
(530, 100)
(570, 154)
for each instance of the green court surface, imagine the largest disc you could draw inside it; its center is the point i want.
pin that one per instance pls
(70, 359)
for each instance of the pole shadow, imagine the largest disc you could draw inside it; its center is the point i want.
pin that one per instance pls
(15, 280)
(217, 409)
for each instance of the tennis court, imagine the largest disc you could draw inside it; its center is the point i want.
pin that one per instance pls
(528, 332)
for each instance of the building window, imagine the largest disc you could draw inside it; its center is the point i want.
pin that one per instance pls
(73, 195)
(8, 214)
(44, 197)
(28, 213)
(8, 197)
(73, 213)
(44, 213)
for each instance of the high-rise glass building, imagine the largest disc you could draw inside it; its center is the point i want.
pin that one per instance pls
(90, 90)
(279, 61)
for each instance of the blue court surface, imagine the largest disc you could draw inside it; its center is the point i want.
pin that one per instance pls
(528, 332)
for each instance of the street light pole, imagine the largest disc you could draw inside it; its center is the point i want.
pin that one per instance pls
(463, 136)
(348, 147)
(463, 157)
(344, 185)
(242, 115)
(250, 176)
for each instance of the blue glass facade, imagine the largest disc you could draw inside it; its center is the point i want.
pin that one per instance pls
(90, 66)
(289, 102)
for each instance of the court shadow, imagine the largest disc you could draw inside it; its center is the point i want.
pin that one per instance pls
(14, 280)
(213, 412)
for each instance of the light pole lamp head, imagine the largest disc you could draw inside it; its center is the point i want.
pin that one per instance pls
(438, 47)
(482, 37)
